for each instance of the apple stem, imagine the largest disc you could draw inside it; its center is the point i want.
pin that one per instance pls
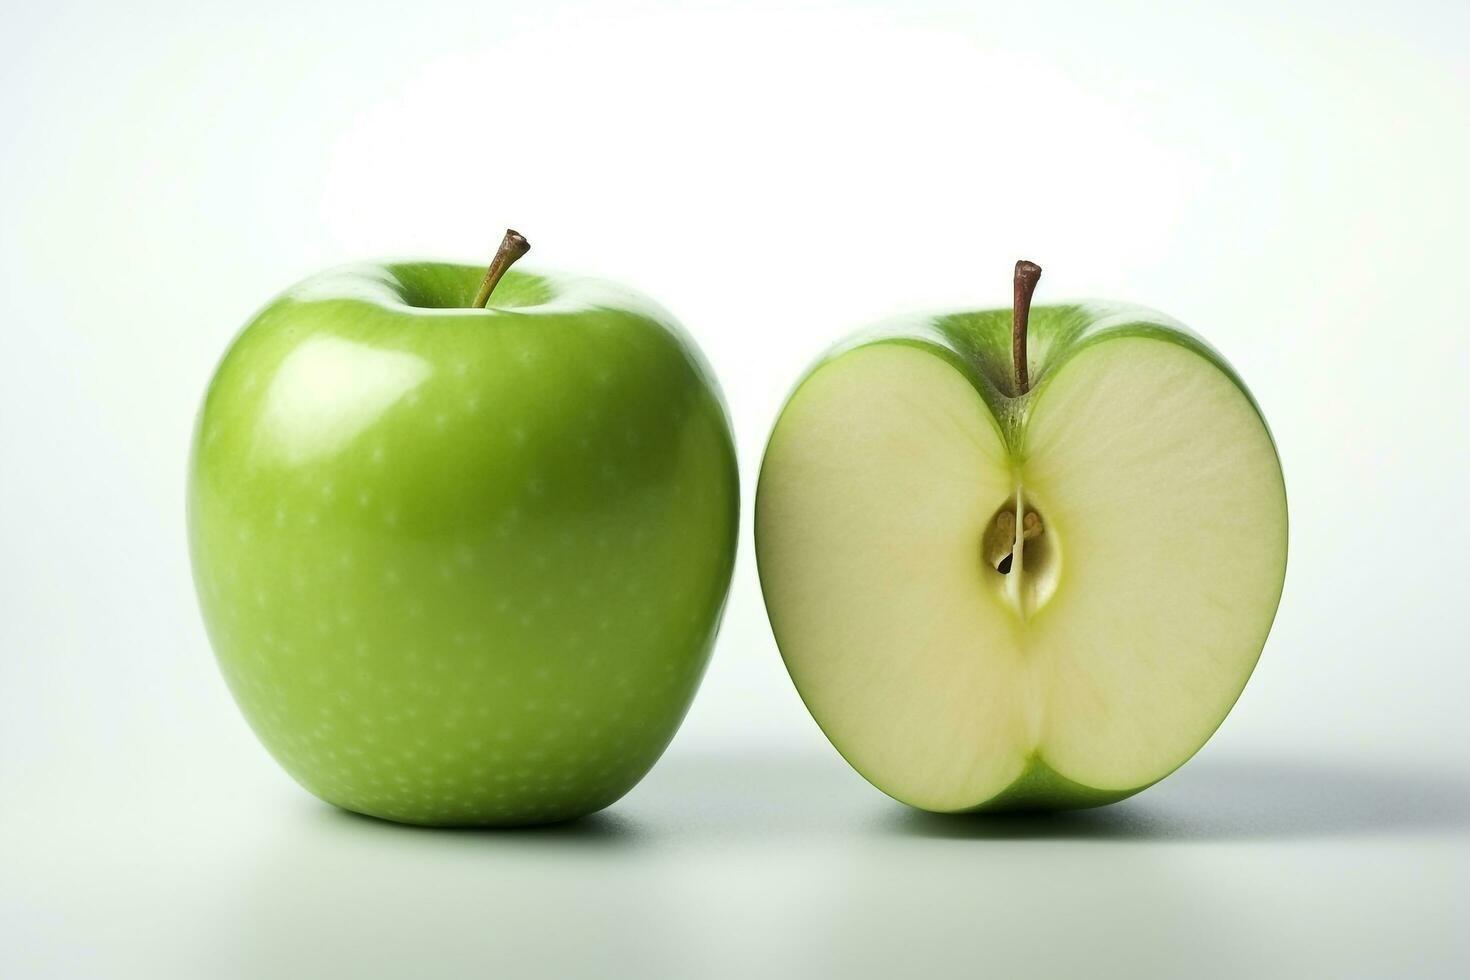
(512, 247)
(1027, 274)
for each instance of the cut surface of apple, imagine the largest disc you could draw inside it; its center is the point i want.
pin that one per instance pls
(991, 599)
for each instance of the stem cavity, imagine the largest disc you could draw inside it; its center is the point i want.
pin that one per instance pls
(512, 247)
(1027, 275)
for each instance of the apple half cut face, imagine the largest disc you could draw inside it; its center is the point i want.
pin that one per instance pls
(1000, 602)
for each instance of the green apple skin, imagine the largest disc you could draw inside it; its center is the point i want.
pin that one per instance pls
(978, 345)
(460, 566)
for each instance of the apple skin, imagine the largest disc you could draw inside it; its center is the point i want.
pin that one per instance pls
(978, 345)
(459, 566)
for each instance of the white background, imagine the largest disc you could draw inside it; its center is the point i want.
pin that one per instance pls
(1289, 179)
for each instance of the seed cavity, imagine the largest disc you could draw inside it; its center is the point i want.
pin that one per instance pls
(1005, 526)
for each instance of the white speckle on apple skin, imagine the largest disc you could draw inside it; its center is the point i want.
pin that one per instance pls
(433, 661)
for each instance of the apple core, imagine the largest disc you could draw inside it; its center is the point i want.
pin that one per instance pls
(1024, 553)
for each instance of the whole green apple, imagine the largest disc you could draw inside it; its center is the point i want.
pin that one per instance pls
(463, 565)
(1012, 578)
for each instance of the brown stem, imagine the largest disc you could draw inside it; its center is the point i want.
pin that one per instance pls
(1027, 274)
(512, 247)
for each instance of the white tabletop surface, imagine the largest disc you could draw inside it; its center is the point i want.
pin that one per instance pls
(741, 866)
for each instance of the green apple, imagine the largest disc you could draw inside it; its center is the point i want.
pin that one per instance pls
(463, 565)
(999, 594)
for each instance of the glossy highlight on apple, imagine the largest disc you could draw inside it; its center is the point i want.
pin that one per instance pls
(463, 564)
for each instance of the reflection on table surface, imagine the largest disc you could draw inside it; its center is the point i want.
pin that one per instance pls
(736, 866)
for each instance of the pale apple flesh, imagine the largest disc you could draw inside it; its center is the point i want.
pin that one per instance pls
(1045, 601)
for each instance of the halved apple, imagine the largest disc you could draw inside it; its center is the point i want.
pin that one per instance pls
(999, 594)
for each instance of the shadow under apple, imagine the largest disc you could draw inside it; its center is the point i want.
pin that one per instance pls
(604, 829)
(1237, 799)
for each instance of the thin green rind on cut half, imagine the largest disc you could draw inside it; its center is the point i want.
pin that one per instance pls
(953, 687)
(1040, 787)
